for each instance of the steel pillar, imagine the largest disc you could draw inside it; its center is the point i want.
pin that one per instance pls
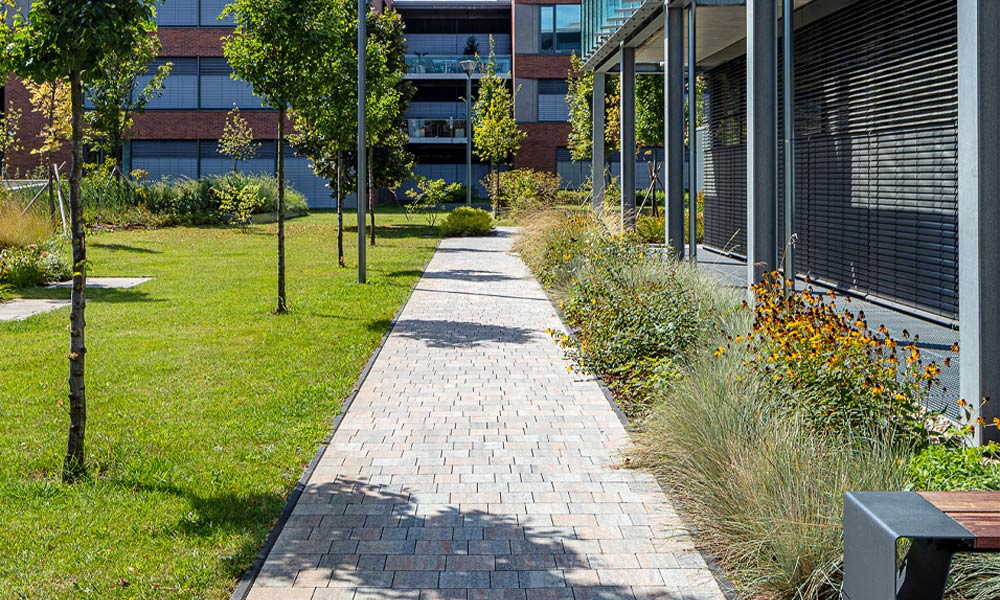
(978, 208)
(692, 77)
(627, 137)
(362, 177)
(673, 119)
(788, 108)
(597, 148)
(762, 138)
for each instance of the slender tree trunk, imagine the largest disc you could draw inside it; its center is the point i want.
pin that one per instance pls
(74, 466)
(52, 190)
(371, 193)
(282, 308)
(340, 208)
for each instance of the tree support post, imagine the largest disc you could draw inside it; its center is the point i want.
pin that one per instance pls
(762, 138)
(627, 145)
(673, 120)
(978, 209)
(597, 149)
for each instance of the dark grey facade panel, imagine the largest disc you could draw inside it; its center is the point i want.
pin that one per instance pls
(876, 162)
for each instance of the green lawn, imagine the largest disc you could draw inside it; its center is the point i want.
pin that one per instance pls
(203, 406)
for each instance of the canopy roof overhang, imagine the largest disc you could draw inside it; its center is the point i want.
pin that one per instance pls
(720, 31)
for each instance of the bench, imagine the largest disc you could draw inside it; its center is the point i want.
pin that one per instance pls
(938, 524)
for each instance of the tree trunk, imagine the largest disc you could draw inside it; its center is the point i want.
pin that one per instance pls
(52, 190)
(340, 208)
(371, 193)
(74, 466)
(282, 308)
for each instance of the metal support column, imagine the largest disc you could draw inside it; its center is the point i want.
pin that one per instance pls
(627, 136)
(762, 137)
(362, 176)
(978, 209)
(788, 96)
(597, 149)
(692, 76)
(468, 139)
(673, 119)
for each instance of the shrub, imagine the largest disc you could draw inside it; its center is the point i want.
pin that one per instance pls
(552, 240)
(939, 467)
(466, 221)
(431, 194)
(856, 378)
(124, 203)
(239, 203)
(766, 491)
(522, 190)
(34, 264)
(650, 230)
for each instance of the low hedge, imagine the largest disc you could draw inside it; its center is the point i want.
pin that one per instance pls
(466, 221)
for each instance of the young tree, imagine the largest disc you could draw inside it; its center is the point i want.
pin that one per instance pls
(71, 39)
(579, 101)
(237, 139)
(274, 44)
(116, 94)
(50, 100)
(389, 94)
(10, 141)
(495, 134)
(326, 119)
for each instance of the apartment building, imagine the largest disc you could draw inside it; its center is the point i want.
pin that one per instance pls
(178, 135)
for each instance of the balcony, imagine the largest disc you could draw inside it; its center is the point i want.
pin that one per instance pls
(437, 131)
(440, 66)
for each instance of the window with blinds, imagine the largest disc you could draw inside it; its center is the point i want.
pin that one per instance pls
(552, 100)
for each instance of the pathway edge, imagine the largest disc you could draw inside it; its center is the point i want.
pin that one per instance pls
(249, 577)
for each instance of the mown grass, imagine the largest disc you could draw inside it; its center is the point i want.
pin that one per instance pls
(204, 407)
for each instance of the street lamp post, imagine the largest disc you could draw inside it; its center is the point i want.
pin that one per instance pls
(362, 140)
(469, 66)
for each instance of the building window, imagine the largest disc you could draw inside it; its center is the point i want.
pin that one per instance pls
(552, 100)
(192, 13)
(220, 91)
(180, 88)
(560, 28)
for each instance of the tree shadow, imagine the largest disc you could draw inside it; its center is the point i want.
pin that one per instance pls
(461, 334)
(470, 275)
(393, 541)
(124, 248)
(103, 295)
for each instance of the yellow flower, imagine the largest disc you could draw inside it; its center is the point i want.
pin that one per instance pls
(720, 351)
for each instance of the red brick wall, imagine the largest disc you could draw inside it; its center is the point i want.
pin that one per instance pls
(29, 132)
(538, 150)
(541, 66)
(183, 41)
(202, 125)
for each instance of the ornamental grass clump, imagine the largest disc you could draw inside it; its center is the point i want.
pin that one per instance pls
(551, 240)
(855, 378)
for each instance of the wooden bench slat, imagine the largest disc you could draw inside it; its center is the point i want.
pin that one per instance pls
(949, 502)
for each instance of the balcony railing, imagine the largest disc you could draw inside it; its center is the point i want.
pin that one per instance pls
(439, 64)
(436, 129)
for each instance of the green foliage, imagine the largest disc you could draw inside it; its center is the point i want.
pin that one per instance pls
(64, 36)
(856, 379)
(649, 110)
(522, 190)
(204, 406)
(939, 467)
(650, 230)
(467, 221)
(35, 264)
(183, 202)
(495, 134)
(116, 96)
(430, 194)
(237, 141)
(552, 240)
(240, 203)
(579, 100)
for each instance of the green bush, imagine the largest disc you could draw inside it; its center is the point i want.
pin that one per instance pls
(465, 221)
(939, 467)
(650, 230)
(552, 240)
(124, 203)
(35, 264)
(522, 190)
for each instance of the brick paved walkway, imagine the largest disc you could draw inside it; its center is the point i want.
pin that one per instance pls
(472, 465)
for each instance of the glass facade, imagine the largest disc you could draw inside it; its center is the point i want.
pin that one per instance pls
(437, 64)
(559, 28)
(602, 17)
(192, 13)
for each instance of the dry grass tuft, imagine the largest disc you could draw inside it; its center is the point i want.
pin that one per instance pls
(33, 227)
